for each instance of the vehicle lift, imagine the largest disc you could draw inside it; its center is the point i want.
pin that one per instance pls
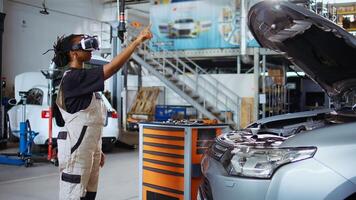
(24, 156)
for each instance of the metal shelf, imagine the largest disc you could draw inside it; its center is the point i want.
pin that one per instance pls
(209, 53)
(351, 29)
(346, 13)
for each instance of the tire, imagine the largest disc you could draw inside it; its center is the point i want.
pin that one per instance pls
(107, 147)
(3, 144)
(28, 162)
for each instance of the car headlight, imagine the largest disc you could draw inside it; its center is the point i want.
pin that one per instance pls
(254, 162)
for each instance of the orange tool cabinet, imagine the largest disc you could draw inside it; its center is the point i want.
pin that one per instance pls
(170, 156)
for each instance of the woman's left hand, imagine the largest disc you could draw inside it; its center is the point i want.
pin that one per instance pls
(102, 159)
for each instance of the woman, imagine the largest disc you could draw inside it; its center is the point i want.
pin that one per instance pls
(79, 147)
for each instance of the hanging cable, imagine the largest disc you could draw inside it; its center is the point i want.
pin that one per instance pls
(122, 25)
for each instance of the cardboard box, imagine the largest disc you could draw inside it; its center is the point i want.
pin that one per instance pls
(275, 72)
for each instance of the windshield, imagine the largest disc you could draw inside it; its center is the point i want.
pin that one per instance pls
(184, 21)
(346, 103)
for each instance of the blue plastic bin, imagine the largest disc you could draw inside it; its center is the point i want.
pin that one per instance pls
(165, 112)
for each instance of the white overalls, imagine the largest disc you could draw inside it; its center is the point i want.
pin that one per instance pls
(79, 148)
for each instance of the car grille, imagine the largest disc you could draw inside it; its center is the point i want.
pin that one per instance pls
(184, 32)
(205, 190)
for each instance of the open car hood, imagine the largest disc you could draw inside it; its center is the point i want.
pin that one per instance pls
(322, 49)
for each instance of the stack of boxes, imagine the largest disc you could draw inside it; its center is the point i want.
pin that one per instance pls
(277, 75)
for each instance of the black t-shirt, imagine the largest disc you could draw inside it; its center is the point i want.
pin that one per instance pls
(78, 86)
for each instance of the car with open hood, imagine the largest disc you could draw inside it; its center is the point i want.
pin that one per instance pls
(317, 162)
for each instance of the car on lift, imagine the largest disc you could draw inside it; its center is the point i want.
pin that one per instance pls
(37, 108)
(315, 162)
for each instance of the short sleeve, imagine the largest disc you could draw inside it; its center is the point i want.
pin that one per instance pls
(80, 82)
(79, 85)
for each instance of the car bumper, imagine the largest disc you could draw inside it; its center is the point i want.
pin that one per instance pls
(111, 130)
(307, 179)
(133, 126)
(218, 185)
(109, 140)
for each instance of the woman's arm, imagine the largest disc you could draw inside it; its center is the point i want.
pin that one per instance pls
(118, 61)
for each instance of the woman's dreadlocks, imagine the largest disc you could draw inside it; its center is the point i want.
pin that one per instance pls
(61, 49)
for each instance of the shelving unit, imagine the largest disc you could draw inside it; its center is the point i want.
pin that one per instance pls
(346, 10)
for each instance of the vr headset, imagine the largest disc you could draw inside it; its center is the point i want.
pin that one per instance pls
(87, 43)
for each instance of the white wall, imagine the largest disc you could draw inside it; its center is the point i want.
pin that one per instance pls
(241, 84)
(1, 5)
(171, 98)
(28, 33)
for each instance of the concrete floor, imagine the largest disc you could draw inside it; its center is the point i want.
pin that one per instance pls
(118, 179)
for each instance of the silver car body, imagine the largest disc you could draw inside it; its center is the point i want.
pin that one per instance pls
(308, 120)
(330, 174)
(315, 163)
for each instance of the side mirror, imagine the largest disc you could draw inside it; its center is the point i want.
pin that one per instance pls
(12, 101)
(3, 83)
